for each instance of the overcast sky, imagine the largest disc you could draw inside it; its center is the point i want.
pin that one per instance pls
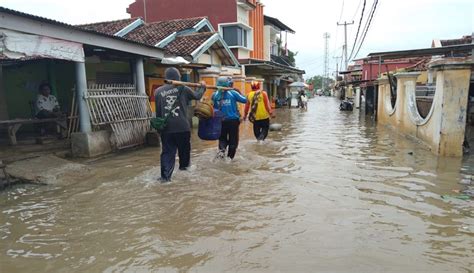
(397, 24)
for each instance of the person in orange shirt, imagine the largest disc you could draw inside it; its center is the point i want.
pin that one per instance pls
(258, 110)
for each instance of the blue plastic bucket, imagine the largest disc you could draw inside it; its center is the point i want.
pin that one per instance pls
(210, 129)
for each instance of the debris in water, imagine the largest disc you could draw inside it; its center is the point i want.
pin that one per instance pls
(464, 197)
(275, 127)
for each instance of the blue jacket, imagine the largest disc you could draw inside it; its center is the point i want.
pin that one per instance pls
(229, 103)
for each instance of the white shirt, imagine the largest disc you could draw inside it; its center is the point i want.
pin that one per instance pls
(46, 103)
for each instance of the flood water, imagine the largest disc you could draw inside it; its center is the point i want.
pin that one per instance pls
(331, 192)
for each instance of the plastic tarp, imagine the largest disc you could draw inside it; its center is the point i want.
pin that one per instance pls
(174, 60)
(18, 45)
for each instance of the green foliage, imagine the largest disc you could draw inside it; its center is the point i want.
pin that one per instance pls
(291, 58)
(318, 80)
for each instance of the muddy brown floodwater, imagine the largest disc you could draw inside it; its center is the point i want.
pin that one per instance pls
(331, 192)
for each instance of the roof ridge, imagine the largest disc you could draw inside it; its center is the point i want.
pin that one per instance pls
(107, 22)
(178, 19)
(198, 33)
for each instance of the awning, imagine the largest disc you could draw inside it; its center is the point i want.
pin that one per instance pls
(466, 48)
(270, 68)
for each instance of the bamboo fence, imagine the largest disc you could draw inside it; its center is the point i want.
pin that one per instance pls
(126, 112)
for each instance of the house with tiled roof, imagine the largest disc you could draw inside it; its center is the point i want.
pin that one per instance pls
(193, 41)
(76, 63)
(126, 53)
(190, 38)
(257, 41)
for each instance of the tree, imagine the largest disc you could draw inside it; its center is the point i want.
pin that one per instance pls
(291, 57)
(317, 81)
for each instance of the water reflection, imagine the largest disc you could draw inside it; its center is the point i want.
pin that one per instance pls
(330, 192)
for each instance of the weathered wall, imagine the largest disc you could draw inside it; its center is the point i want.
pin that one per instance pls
(218, 11)
(444, 127)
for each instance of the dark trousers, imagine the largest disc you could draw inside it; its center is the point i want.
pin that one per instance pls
(44, 128)
(170, 143)
(260, 128)
(229, 137)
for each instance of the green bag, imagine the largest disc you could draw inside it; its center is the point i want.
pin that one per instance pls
(159, 123)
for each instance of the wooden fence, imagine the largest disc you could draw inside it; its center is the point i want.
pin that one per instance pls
(121, 108)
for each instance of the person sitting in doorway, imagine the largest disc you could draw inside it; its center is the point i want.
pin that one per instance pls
(47, 107)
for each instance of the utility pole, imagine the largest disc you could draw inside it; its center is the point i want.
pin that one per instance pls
(326, 37)
(144, 10)
(345, 24)
(337, 66)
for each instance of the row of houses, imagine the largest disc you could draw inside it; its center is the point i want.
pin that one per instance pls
(426, 93)
(125, 59)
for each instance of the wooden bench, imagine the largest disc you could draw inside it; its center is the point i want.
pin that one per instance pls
(15, 124)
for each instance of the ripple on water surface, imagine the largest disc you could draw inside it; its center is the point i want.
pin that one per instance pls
(330, 192)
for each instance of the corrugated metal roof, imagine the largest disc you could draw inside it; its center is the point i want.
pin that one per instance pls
(276, 22)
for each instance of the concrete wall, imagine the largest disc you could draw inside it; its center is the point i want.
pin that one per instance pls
(444, 127)
(242, 15)
(267, 43)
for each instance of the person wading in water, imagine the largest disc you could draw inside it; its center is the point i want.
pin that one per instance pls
(226, 102)
(176, 136)
(259, 110)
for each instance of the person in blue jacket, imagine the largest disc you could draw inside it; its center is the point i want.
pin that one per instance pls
(226, 102)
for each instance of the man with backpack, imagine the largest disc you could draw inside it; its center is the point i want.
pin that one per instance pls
(259, 110)
(226, 102)
(172, 104)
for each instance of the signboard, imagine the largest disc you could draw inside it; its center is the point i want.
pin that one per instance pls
(18, 45)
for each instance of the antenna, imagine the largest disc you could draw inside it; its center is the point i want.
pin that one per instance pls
(326, 37)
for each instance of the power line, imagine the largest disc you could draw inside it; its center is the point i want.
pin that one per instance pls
(358, 29)
(342, 10)
(355, 13)
(368, 26)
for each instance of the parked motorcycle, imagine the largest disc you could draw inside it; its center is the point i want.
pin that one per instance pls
(346, 105)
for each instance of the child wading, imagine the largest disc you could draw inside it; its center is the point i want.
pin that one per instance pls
(259, 110)
(226, 102)
(173, 101)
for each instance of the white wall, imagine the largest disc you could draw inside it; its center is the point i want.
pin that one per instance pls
(267, 43)
(242, 15)
(208, 59)
(244, 54)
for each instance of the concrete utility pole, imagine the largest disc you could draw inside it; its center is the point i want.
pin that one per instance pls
(326, 37)
(345, 24)
(337, 66)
